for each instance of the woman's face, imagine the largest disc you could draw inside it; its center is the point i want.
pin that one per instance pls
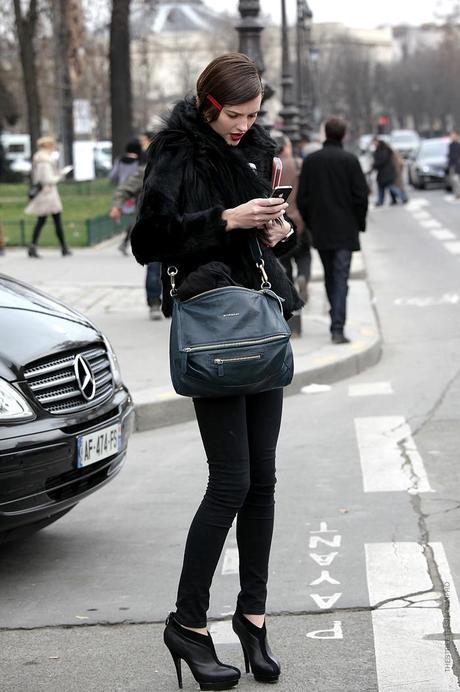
(234, 121)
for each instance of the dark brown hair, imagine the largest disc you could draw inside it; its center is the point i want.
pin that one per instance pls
(230, 79)
(335, 129)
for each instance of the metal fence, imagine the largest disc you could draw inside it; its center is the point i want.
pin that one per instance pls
(83, 232)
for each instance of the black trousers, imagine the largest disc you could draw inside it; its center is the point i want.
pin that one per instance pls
(41, 220)
(239, 436)
(336, 264)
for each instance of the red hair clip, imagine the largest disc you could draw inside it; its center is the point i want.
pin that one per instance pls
(214, 102)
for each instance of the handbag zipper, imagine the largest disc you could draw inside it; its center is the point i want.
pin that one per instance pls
(233, 344)
(237, 359)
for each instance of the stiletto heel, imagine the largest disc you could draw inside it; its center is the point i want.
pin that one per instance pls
(198, 651)
(257, 654)
(177, 663)
(246, 659)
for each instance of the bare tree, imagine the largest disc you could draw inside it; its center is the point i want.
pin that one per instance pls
(26, 28)
(120, 75)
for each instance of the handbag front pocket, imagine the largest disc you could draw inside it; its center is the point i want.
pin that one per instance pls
(223, 363)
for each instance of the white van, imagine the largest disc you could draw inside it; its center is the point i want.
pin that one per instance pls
(17, 151)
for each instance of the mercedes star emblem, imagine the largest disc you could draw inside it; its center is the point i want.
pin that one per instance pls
(85, 378)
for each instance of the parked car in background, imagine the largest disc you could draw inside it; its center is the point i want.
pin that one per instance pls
(17, 152)
(429, 165)
(405, 141)
(65, 414)
(102, 158)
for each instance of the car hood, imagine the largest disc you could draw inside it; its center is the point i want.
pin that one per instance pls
(432, 161)
(33, 325)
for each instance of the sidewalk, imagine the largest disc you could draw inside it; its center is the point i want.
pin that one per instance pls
(108, 288)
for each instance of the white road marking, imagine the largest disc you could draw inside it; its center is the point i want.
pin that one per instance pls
(443, 234)
(453, 247)
(222, 632)
(315, 389)
(231, 561)
(417, 202)
(409, 649)
(421, 215)
(370, 389)
(389, 457)
(430, 223)
(428, 301)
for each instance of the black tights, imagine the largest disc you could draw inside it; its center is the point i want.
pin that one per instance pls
(239, 436)
(57, 227)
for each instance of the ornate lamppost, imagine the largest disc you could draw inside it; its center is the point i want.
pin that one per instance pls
(289, 112)
(304, 72)
(249, 31)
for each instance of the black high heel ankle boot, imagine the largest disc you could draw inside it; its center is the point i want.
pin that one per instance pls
(257, 654)
(199, 653)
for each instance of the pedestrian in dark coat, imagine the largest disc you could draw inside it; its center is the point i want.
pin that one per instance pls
(332, 199)
(453, 163)
(384, 164)
(207, 187)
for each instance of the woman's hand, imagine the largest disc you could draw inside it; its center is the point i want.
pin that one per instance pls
(255, 213)
(274, 231)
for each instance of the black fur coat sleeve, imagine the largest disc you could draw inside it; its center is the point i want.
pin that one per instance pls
(163, 232)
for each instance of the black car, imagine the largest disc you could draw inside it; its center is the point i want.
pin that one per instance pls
(430, 163)
(65, 415)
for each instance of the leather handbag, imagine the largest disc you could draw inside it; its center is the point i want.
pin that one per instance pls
(231, 340)
(33, 190)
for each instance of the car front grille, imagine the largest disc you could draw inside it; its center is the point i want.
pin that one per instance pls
(54, 384)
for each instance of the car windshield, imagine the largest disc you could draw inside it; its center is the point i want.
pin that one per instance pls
(435, 148)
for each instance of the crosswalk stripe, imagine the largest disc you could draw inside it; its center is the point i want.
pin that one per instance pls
(389, 457)
(443, 234)
(370, 389)
(409, 647)
(453, 247)
(430, 223)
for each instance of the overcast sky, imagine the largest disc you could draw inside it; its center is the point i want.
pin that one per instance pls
(355, 13)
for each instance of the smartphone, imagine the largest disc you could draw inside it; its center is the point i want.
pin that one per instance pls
(282, 191)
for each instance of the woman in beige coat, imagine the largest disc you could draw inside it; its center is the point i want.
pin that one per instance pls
(47, 201)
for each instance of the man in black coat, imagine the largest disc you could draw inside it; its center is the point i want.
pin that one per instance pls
(332, 199)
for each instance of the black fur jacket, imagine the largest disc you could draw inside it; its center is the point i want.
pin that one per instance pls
(193, 175)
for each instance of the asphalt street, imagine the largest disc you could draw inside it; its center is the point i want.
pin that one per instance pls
(365, 567)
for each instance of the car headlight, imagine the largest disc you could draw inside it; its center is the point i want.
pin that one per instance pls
(114, 365)
(13, 406)
(426, 169)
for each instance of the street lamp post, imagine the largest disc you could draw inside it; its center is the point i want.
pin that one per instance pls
(304, 73)
(289, 112)
(249, 31)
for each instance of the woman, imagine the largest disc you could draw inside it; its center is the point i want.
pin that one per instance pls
(207, 185)
(47, 201)
(385, 167)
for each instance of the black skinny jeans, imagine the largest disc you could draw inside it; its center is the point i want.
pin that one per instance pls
(57, 227)
(239, 436)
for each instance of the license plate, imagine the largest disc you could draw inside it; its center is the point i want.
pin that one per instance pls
(98, 445)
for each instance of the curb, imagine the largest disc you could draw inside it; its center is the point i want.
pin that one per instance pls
(328, 364)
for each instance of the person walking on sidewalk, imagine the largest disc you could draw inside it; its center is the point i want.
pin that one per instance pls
(385, 165)
(46, 174)
(301, 254)
(333, 199)
(131, 188)
(453, 163)
(124, 167)
(207, 183)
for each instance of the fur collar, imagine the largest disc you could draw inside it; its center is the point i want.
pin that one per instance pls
(209, 159)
